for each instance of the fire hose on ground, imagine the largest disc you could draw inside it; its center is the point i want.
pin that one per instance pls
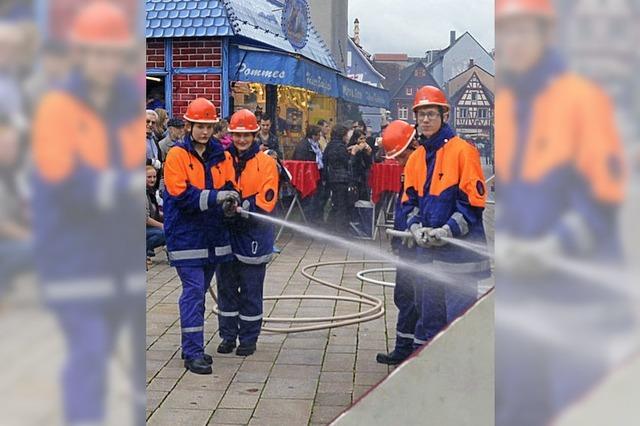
(375, 311)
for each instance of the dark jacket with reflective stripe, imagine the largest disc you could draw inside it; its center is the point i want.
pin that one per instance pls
(193, 222)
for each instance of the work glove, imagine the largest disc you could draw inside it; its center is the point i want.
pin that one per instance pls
(229, 201)
(229, 208)
(227, 196)
(527, 258)
(436, 236)
(420, 235)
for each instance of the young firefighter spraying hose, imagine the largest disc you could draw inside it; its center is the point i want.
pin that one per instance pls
(241, 281)
(399, 143)
(196, 173)
(445, 192)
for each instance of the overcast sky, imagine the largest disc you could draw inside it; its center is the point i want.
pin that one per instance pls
(415, 26)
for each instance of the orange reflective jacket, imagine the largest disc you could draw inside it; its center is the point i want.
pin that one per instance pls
(257, 180)
(572, 124)
(194, 227)
(444, 185)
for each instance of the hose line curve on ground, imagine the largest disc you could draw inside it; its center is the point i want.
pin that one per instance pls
(375, 310)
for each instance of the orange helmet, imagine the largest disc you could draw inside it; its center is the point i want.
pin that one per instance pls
(430, 95)
(539, 8)
(201, 110)
(397, 137)
(243, 121)
(101, 23)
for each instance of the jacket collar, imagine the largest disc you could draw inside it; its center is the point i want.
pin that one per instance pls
(536, 79)
(246, 155)
(436, 141)
(214, 152)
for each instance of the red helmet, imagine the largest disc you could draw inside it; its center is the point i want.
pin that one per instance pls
(539, 8)
(243, 121)
(101, 23)
(397, 137)
(429, 95)
(201, 110)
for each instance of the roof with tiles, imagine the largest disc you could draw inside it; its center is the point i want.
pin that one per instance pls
(257, 20)
(186, 18)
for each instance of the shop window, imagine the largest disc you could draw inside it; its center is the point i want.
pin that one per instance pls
(403, 113)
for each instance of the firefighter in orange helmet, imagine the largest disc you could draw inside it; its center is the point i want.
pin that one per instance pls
(445, 193)
(87, 184)
(241, 281)
(561, 175)
(198, 178)
(399, 142)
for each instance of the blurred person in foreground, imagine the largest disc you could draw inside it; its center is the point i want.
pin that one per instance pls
(88, 192)
(399, 142)
(560, 177)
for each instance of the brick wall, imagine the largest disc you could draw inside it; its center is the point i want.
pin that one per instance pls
(155, 53)
(188, 87)
(190, 52)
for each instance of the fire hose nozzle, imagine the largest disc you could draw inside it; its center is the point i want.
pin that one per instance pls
(242, 212)
(400, 234)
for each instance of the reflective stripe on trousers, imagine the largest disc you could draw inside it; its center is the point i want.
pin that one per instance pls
(189, 254)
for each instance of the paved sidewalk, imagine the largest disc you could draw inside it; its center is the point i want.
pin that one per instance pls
(293, 379)
(297, 379)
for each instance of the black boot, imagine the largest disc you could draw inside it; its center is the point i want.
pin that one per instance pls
(226, 346)
(198, 366)
(392, 358)
(208, 358)
(246, 349)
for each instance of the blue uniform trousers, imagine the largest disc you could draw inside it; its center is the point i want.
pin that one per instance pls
(195, 283)
(240, 293)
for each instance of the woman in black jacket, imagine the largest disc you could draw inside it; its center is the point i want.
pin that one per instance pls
(360, 163)
(337, 164)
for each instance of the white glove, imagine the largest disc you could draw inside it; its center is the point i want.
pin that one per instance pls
(227, 196)
(156, 164)
(526, 258)
(436, 236)
(420, 235)
(229, 201)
